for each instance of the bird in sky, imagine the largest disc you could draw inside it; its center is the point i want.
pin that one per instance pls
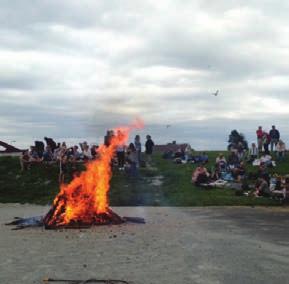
(216, 93)
(168, 125)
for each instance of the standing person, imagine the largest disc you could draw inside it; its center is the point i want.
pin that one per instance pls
(132, 160)
(259, 133)
(275, 136)
(62, 166)
(149, 145)
(188, 153)
(120, 152)
(137, 145)
(266, 142)
(108, 137)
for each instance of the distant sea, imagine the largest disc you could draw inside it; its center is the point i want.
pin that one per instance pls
(200, 138)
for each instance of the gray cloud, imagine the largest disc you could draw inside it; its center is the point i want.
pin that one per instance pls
(71, 68)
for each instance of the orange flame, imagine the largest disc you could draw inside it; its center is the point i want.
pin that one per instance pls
(86, 196)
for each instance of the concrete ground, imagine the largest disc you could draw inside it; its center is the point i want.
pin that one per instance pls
(177, 245)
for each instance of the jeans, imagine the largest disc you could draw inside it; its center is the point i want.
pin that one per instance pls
(260, 144)
(266, 148)
(138, 152)
(273, 143)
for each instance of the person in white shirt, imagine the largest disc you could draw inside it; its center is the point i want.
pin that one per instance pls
(86, 152)
(220, 159)
(281, 150)
(253, 153)
(266, 159)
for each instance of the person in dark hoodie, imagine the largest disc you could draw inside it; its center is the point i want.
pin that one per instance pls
(149, 145)
(275, 136)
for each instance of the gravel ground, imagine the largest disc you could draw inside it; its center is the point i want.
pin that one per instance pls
(176, 245)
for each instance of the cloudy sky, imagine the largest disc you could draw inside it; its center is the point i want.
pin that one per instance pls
(70, 69)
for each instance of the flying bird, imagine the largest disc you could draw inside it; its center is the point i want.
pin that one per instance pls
(168, 125)
(216, 93)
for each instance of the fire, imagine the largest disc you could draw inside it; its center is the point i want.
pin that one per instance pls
(85, 199)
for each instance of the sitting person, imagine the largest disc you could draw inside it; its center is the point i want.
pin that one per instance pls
(180, 154)
(220, 167)
(202, 158)
(47, 154)
(253, 153)
(276, 187)
(286, 188)
(233, 160)
(56, 153)
(220, 158)
(200, 175)
(263, 172)
(33, 155)
(280, 150)
(168, 154)
(76, 155)
(238, 172)
(240, 151)
(266, 159)
(221, 161)
(262, 188)
(63, 146)
(24, 160)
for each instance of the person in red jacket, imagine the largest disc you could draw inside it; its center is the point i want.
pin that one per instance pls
(266, 142)
(259, 133)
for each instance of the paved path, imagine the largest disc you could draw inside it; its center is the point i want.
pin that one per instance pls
(176, 246)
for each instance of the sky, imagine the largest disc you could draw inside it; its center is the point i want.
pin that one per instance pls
(72, 69)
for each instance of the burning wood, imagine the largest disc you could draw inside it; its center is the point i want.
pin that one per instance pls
(84, 201)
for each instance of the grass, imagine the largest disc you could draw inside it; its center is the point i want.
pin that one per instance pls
(166, 184)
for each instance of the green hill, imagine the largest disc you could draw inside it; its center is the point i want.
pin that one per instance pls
(165, 184)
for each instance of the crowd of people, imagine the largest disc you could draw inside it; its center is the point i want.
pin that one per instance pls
(128, 157)
(235, 168)
(185, 155)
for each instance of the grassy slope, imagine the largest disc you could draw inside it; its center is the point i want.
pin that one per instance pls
(39, 185)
